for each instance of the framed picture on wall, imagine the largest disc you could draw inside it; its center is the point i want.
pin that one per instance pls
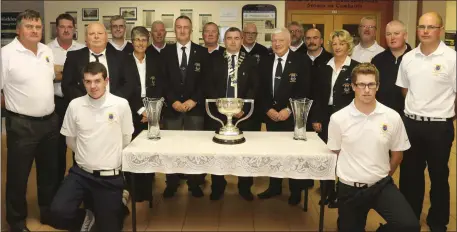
(129, 13)
(90, 14)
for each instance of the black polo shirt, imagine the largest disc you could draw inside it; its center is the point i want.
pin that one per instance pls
(389, 94)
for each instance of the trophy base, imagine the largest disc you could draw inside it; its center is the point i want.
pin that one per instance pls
(229, 139)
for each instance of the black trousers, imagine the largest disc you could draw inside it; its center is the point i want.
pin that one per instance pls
(143, 181)
(61, 106)
(389, 203)
(27, 140)
(219, 183)
(295, 185)
(183, 122)
(105, 194)
(431, 144)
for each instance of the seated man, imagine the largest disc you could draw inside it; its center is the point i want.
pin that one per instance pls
(362, 134)
(97, 127)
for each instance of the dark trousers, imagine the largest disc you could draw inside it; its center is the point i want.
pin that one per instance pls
(143, 181)
(61, 108)
(295, 185)
(183, 122)
(28, 139)
(244, 183)
(105, 194)
(431, 144)
(389, 203)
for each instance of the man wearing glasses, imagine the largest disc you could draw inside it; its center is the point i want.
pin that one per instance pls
(361, 134)
(427, 75)
(118, 32)
(250, 46)
(296, 37)
(368, 47)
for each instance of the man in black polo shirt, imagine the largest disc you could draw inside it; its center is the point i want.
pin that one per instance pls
(387, 62)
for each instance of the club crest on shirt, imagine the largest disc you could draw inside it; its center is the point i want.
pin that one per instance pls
(384, 127)
(293, 77)
(346, 88)
(47, 59)
(197, 67)
(153, 80)
(437, 68)
(110, 117)
(258, 57)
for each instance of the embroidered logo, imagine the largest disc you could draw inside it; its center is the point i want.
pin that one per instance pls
(110, 117)
(346, 88)
(293, 77)
(47, 59)
(197, 67)
(437, 68)
(384, 127)
(153, 80)
(258, 57)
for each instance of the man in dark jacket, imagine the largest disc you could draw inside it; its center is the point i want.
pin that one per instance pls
(387, 62)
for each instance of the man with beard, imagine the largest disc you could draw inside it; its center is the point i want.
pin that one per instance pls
(387, 62)
(368, 47)
(223, 82)
(65, 28)
(118, 32)
(296, 37)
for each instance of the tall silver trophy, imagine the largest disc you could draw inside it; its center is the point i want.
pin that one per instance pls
(229, 133)
(300, 110)
(153, 108)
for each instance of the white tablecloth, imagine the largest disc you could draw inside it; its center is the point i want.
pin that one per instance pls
(274, 154)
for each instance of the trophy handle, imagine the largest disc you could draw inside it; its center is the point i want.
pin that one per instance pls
(250, 111)
(209, 112)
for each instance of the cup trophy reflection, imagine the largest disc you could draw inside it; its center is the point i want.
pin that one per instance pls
(229, 133)
(300, 109)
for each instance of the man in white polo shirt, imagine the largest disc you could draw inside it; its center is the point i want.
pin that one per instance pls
(368, 47)
(32, 127)
(361, 134)
(427, 75)
(65, 28)
(97, 126)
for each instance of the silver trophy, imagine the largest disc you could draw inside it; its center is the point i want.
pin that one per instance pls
(300, 110)
(153, 108)
(229, 133)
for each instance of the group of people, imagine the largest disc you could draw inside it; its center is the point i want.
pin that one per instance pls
(93, 94)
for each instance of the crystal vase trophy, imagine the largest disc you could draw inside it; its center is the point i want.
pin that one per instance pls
(300, 109)
(153, 108)
(229, 133)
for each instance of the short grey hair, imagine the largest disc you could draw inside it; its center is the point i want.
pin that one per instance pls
(399, 22)
(139, 31)
(295, 23)
(282, 30)
(157, 22)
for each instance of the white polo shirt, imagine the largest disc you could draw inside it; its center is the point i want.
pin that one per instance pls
(363, 55)
(364, 142)
(98, 126)
(27, 79)
(430, 80)
(60, 55)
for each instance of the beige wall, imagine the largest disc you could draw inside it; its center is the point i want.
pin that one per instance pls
(450, 16)
(406, 11)
(109, 8)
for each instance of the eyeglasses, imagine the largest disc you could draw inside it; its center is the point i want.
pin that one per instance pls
(140, 40)
(118, 26)
(367, 27)
(428, 27)
(371, 85)
(31, 27)
(295, 31)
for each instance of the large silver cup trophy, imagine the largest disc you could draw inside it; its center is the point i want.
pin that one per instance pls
(300, 110)
(153, 108)
(229, 133)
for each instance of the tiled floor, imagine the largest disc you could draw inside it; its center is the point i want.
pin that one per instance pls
(185, 213)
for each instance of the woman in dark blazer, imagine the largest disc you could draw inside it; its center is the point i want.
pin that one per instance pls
(148, 82)
(332, 89)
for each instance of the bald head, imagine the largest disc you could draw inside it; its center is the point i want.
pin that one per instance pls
(430, 28)
(96, 37)
(249, 34)
(433, 16)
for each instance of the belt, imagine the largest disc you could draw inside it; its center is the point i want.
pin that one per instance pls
(356, 184)
(42, 118)
(112, 172)
(427, 119)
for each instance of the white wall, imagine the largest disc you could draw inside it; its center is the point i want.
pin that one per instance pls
(406, 11)
(109, 8)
